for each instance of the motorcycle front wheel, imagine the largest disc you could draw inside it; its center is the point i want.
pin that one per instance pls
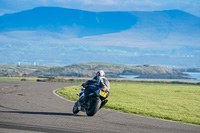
(94, 106)
(75, 109)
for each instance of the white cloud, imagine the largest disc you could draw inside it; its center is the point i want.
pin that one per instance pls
(45, 2)
(99, 2)
(141, 3)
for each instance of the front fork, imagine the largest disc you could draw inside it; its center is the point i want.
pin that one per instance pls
(80, 101)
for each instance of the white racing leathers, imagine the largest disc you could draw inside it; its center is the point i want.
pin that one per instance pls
(100, 82)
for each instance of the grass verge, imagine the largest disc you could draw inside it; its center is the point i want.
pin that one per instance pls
(175, 102)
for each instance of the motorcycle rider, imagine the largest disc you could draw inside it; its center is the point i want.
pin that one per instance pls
(98, 82)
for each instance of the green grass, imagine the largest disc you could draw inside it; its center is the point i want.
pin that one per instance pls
(30, 79)
(175, 102)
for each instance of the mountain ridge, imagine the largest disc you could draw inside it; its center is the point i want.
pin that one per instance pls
(169, 37)
(54, 18)
(87, 23)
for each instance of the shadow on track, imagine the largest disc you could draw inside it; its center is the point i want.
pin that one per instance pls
(42, 113)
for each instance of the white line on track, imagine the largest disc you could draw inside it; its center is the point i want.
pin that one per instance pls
(54, 92)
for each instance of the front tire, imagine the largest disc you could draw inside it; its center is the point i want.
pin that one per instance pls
(75, 109)
(94, 107)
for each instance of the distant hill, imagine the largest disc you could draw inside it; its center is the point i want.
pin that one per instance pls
(61, 36)
(89, 70)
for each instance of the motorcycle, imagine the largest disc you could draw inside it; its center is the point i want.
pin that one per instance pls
(96, 101)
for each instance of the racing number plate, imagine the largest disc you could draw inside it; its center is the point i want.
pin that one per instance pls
(103, 94)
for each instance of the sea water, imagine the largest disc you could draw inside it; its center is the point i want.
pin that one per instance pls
(193, 75)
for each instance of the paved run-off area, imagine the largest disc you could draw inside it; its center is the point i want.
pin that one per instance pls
(27, 107)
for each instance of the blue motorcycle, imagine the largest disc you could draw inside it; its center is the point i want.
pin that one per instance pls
(96, 101)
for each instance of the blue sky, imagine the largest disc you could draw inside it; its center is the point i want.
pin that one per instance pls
(190, 6)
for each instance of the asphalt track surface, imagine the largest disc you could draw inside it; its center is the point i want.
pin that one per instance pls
(31, 107)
